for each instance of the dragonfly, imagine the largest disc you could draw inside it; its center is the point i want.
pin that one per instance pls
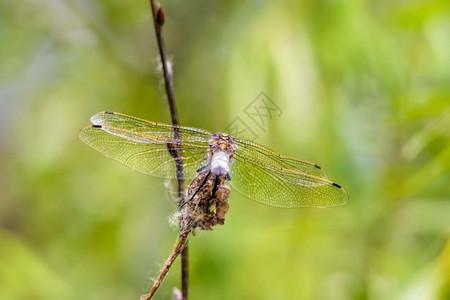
(251, 169)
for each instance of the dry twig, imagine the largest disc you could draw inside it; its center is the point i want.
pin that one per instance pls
(158, 21)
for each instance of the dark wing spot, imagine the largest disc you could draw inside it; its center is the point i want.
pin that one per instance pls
(97, 126)
(337, 185)
(109, 112)
(317, 166)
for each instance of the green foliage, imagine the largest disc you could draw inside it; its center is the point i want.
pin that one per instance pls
(364, 87)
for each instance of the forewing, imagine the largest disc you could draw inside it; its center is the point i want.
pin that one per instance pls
(144, 146)
(160, 130)
(251, 151)
(283, 187)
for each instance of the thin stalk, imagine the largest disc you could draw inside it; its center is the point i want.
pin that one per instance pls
(158, 21)
(182, 241)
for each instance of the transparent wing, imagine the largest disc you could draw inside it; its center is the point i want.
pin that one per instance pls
(283, 187)
(252, 151)
(159, 130)
(145, 146)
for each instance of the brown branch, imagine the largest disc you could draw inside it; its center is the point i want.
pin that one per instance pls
(185, 272)
(158, 21)
(182, 241)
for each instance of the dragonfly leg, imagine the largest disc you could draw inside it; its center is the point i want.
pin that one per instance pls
(202, 168)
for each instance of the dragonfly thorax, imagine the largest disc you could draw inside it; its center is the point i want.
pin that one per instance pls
(220, 163)
(220, 153)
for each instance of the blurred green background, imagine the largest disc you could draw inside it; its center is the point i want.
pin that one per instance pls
(364, 89)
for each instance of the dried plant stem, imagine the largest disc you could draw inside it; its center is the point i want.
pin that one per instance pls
(158, 21)
(185, 272)
(182, 242)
